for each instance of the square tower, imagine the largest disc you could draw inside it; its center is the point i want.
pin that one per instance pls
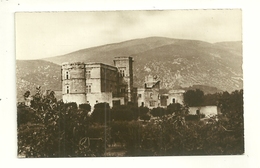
(125, 67)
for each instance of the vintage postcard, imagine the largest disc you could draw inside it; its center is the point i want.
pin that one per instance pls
(129, 83)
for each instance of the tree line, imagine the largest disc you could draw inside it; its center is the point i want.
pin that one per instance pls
(51, 128)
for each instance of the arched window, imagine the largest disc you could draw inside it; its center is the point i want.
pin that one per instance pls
(123, 73)
(66, 75)
(67, 89)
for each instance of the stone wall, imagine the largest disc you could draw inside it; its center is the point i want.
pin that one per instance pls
(94, 98)
(77, 98)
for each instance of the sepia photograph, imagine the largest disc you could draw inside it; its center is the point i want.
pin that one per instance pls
(129, 83)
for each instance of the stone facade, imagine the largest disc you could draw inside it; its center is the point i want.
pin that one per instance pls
(96, 82)
(149, 95)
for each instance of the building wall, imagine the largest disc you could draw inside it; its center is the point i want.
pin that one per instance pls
(167, 99)
(73, 82)
(120, 100)
(74, 75)
(125, 67)
(151, 98)
(93, 77)
(207, 110)
(77, 98)
(149, 95)
(148, 98)
(164, 100)
(95, 85)
(109, 79)
(178, 97)
(140, 97)
(94, 98)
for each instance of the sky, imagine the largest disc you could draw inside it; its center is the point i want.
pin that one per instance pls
(47, 34)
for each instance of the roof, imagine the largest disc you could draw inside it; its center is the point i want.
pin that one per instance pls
(101, 65)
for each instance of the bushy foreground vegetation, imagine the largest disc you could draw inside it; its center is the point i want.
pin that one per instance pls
(51, 128)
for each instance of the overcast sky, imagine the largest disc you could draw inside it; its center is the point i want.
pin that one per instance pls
(48, 34)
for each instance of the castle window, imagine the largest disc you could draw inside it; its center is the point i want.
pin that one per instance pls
(88, 74)
(152, 103)
(122, 72)
(142, 104)
(66, 75)
(67, 89)
(88, 88)
(139, 95)
(122, 90)
(151, 95)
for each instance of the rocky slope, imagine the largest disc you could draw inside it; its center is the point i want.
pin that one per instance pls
(33, 73)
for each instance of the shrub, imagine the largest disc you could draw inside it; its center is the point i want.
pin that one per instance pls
(158, 112)
(85, 107)
(101, 113)
(192, 117)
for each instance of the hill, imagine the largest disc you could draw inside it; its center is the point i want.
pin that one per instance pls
(33, 73)
(205, 89)
(177, 62)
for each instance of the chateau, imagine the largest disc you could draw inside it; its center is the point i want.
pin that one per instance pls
(97, 82)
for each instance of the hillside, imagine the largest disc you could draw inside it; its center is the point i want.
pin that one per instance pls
(33, 73)
(177, 62)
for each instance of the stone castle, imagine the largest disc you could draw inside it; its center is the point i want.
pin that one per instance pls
(97, 82)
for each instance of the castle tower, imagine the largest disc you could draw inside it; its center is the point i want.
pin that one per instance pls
(125, 67)
(73, 82)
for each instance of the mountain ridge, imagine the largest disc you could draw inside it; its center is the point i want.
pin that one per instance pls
(177, 62)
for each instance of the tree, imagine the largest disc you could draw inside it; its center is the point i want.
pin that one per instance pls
(193, 97)
(101, 113)
(26, 115)
(54, 129)
(85, 107)
(158, 112)
(210, 99)
(175, 108)
(145, 117)
(143, 112)
(124, 113)
(231, 106)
